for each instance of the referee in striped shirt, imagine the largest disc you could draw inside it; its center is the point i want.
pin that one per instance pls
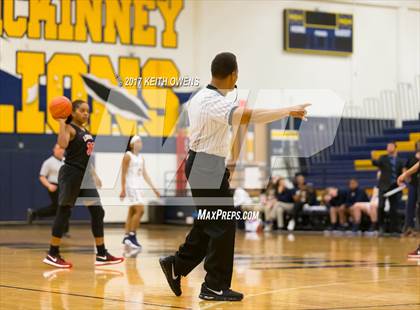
(210, 116)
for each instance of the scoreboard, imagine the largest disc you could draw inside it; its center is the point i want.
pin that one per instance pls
(318, 32)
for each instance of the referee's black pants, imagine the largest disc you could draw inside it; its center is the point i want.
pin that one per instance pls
(50, 210)
(212, 240)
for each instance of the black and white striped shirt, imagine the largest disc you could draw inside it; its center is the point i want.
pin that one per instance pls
(210, 116)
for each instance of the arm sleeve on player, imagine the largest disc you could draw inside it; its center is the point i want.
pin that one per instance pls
(221, 110)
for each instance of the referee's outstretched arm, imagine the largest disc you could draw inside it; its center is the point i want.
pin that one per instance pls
(243, 115)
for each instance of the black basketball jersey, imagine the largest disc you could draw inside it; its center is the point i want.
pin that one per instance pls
(80, 148)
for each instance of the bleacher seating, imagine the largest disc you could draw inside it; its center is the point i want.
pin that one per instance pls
(356, 162)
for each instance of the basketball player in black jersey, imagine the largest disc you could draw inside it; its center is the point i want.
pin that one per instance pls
(79, 145)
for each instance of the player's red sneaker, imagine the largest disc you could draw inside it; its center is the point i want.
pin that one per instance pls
(108, 259)
(56, 261)
(415, 253)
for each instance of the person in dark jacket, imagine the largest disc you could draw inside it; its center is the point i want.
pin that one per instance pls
(413, 183)
(284, 201)
(304, 194)
(390, 166)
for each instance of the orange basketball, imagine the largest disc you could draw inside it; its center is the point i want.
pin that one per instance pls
(60, 107)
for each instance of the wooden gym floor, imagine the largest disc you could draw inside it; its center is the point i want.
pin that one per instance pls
(274, 271)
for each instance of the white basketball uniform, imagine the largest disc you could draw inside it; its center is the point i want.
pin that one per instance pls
(133, 178)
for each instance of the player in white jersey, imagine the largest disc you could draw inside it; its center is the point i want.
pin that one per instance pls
(133, 169)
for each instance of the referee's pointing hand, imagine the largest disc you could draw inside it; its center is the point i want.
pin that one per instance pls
(299, 111)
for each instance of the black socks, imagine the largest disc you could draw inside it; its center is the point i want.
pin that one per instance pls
(53, 250)
(101, 250)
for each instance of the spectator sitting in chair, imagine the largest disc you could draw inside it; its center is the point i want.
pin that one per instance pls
(270, 187)
(355, 195)
(334, 199)
(283, 202)
(267, 201)
(371, 209)
(304, 195)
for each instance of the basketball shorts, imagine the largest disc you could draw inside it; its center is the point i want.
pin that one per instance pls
(134, 196)
(70, 182)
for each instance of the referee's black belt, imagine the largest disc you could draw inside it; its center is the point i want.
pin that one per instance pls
(205, 155)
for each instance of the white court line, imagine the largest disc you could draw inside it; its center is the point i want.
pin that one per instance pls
(305, 287)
